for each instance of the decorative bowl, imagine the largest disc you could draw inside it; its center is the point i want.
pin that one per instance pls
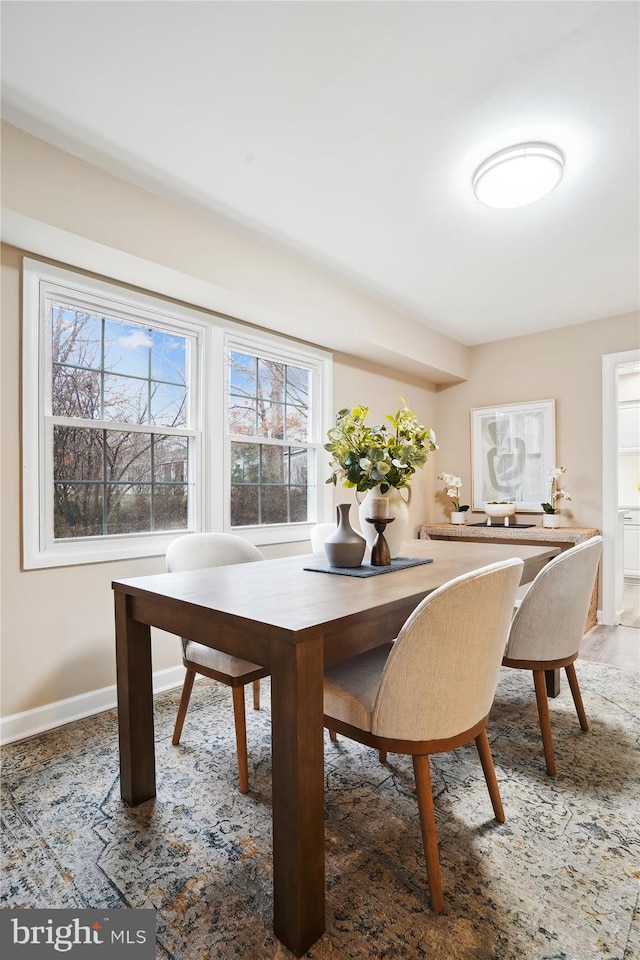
(499, 510)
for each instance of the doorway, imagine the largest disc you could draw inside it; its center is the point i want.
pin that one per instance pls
(621, 493)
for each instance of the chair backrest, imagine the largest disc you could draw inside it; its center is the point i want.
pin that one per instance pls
(549, 623)
(319, 534)
(441, 675)
(194, 551)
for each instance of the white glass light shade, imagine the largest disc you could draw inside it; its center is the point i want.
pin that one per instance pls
(518, 175)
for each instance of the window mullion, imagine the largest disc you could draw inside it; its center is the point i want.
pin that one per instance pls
(119, 426)
(105, 466)
(102, 366)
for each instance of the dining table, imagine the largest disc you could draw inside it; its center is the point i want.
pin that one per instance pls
(295, 621)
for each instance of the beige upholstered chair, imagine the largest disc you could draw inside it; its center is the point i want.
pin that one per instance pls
(193, 552)
(432, 689)
(319, 534)
(548, 627)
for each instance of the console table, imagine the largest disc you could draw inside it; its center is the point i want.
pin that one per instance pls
(563, 537)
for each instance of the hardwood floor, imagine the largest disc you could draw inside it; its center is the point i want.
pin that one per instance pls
(617, 646)
(631, 600)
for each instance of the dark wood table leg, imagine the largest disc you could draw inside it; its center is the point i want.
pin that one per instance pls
(552, 678)
(135, 706)
(298, 793)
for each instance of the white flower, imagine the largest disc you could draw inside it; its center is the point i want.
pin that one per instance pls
(450, 479)
(555, 473)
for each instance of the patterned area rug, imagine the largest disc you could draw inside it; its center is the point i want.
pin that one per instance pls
(557, 881)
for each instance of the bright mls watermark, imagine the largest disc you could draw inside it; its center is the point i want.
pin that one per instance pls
(79, 934)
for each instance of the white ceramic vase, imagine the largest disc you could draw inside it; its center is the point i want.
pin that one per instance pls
(458, 516)
(395, 532)
(551, 520)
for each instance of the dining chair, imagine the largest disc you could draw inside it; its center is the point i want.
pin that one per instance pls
(548, 627)
(431, 690)
(319, 534)
(195, 551)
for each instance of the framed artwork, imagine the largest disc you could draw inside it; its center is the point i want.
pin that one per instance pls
(513, 449)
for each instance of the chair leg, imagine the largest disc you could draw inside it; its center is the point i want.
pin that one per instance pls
(333, 735)
(428, 827)
(545, 723)
(382, 756)
(256, 694)
(570, 670)
(241, 738)
(187, 687)
(484, 751)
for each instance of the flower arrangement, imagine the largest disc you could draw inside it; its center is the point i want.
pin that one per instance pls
(556, 493)
(453, 487)
(365, 457)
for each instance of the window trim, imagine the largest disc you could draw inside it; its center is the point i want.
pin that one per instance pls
(41, 281)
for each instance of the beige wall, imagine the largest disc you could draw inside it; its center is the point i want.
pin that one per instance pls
(565, 365)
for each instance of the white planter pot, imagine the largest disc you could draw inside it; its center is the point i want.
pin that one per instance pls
(458, 516)
(550, 520)
(395, 532)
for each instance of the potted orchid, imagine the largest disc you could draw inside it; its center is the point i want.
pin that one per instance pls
(550, 517)
(453, 485)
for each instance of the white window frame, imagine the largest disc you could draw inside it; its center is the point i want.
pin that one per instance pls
(212, 336)
(319, 364)
(40, 282)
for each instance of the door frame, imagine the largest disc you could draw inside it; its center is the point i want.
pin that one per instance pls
(612, 577)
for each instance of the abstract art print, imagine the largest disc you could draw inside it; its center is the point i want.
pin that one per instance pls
(513, 450)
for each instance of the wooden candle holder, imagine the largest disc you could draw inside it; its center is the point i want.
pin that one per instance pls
(380, 556)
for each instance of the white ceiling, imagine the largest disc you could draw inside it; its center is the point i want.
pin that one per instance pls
(348, 132)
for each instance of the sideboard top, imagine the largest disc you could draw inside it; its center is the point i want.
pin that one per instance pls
(434, 531)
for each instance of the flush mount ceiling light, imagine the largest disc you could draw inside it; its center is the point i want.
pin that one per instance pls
(519, 175)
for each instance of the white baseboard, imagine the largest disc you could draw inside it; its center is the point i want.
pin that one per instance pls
(31, 722)
(616, 618)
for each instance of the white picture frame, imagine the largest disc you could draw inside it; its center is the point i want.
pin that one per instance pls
(513, 448)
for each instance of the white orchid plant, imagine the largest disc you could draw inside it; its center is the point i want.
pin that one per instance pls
(453, 487)
(556, 492)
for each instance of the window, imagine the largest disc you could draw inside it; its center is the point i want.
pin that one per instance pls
(127, 401)
(112, 443)
(274, 435)
(118, 399)
(277, 396)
